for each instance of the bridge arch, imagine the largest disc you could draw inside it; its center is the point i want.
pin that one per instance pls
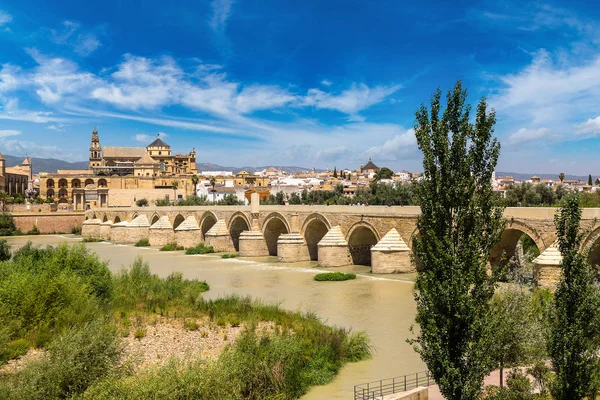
(274, 225)
(361, 237)
(154, 219)
(134, 216)
(591, 245)
(117, 219)
(178, 220)
(238, 223)
(514, 233)
(207, 221)
(314, 228)
(105, 218)
(94, 216)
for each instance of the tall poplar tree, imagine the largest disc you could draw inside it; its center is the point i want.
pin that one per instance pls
(460, 222)
(573, 345)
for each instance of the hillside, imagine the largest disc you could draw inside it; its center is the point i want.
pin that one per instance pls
(45, 164)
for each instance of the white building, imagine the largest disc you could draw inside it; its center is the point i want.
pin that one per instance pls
(216, 173)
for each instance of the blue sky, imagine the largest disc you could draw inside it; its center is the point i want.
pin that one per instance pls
(308, 83)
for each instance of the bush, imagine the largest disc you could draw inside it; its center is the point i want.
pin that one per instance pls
(142, 243)
(171, 247)
(34, 231)
(334, 276)
(92, 240)
(199, 249)
(76, 230)
(4, 250)
(229, 255)
(139, 333)
(13, 349)
(7, 224)
(142, 203)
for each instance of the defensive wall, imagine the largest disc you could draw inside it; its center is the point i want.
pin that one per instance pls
(378, 236)
(48, 223)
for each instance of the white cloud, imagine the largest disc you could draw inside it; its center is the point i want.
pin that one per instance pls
(83, 43)
(326, 82)
(524, 135)
(261, 97)
(162, 135)
(221, 12)
(142, 137)
(22, 147)
(401, 146)
(86, 44)
(589, 127)
(333, 153)
(56, 127)
(5, 18)
(9, 132)
(350, 101)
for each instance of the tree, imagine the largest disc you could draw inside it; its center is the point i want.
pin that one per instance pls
(195, 179)
(561, 176)
(459, 224)
(572, 344)
(383, 173)
(335, 174)
(3, 199)
(175, 186)
(590, 180)
(597, 182)
(213, 182)
(142, 202)
(7, 224)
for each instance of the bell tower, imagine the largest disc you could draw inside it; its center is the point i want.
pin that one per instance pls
(95, 150)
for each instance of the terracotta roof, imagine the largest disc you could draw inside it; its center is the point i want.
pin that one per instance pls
(123, 152)
(158, 143)
(16, 171)
(26, 161)
(145, 160)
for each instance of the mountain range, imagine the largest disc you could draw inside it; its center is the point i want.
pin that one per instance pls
(523, 177)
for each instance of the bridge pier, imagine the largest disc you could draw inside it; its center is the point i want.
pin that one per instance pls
(291, 247)
(546, 268)
(219, 238)
(161, 232)
(253, 244)
(137, 230)
(333, 249)
(118, 232)
(391, 255)
(90, 228)
(105, 230)
(188, 234)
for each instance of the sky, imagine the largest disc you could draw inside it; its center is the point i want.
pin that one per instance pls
(309, 83)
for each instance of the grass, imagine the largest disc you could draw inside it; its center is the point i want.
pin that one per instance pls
(92, 240)
(334, 276)
(229, 255)
(171, 247)
(199, 249)
(142, 243)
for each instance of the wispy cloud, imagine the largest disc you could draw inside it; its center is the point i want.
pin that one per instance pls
(221, 12)
(83, 43)
(589, 127)
(5, 18)
(524, 135)
(9, 132)
(142, 137)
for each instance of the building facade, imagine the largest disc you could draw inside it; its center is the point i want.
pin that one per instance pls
(15, 180)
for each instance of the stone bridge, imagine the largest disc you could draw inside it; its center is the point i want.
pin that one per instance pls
(378, 236)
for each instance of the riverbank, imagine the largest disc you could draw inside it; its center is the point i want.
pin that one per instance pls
(383, 306)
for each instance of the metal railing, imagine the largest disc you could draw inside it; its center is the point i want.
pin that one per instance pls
(398, 384)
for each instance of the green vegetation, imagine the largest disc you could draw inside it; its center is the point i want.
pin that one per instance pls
(171, 247)
(229, 255)
(383, 194)
(459, 224)
(199, 249)
(383, 173)
(7, 225)
(228, 200)
(142, 203)
(76, 230)
(5, 253)
(65, 300)
(34, 231)
(573, 343)
(92, 240)
(530, 195)
(334, 276)
(142, 243)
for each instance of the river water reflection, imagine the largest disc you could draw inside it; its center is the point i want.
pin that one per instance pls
(381, 305)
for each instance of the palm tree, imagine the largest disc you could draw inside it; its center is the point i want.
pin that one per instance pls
(3, 198)
(213, 182)
(175, 186)
(195, 179)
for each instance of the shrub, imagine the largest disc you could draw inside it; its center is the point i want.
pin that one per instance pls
(190, 324)
(92, 240)
(171, 247)
(7, 224)
(229, 255)
(14, 349)
(139, 333)
(142, 203)
(334, 276)
(4, 250)
(76, 230)
(199, 249)
(34, 231)
(142, 243)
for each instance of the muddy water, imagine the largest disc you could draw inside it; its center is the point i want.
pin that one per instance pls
(382, 306)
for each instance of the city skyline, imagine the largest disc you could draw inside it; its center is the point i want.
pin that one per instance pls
(309, 85)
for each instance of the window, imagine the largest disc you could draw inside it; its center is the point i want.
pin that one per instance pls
(160, 153)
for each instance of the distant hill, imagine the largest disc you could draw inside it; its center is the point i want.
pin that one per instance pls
(215, 167)
(45, 164)
(523, 177)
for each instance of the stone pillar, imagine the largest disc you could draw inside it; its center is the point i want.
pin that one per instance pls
(118, 232)
(137, 230)
(91, 228)
(253, 244)
(391, 255)
(546, 268)
(161, 233)
(105, 230)
(333, 249)
(188, 234)
(219, 238)
(291, 247)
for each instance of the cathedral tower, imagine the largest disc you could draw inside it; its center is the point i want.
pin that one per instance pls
(95, 150)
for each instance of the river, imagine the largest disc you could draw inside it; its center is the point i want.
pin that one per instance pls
(381, 305)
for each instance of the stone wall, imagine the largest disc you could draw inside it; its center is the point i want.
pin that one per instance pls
(420, 393)
(390, 262)
(127, 197)
(33, 208)
(161, 237)
(188, 238)
(49, 223)
(334, 256)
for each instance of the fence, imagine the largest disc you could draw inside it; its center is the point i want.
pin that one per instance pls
(378, 389)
